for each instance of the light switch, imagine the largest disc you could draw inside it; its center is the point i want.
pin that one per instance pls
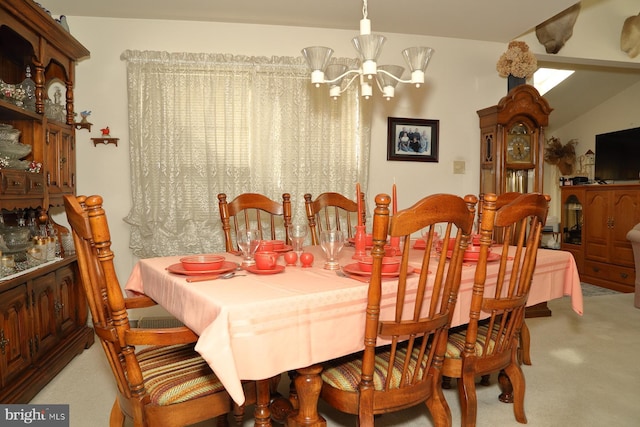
(458, 166)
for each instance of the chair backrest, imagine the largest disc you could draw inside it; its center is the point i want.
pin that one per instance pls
(104, 294)
(496, 316)
(422, 311)
(332, 211)
(502, 199)
(251, 210)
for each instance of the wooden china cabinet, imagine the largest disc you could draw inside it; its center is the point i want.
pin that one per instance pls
(512, 144)
(595, 221)
(43, 313)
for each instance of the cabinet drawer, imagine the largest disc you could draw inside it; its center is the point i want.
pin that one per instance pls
(610, 272)
(35, 183)
(14, 182)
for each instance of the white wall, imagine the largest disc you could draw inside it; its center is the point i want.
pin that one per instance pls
(461, 79)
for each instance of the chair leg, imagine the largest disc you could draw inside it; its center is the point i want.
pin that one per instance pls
(517, 380)
(468, 400)
(485, 380)
(446, 382)
(524, 352)
(438, 408)
(222, 421)
(116, 419)
(238, 415)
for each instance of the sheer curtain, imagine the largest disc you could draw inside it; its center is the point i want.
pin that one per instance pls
(203, 124)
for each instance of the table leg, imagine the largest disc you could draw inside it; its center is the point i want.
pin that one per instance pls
(262, 413)
(308, 385)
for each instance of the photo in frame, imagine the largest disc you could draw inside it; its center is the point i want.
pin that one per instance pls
(412, 140)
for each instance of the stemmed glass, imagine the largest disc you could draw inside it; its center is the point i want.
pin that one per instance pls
(331, 242)
(248, 241)
(297, 234)
(437, 236)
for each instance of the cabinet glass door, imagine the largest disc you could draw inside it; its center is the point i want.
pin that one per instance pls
(572, 232)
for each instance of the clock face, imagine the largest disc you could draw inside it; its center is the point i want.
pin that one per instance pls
(519, 149)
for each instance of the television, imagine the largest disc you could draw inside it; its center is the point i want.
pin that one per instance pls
(618, 156)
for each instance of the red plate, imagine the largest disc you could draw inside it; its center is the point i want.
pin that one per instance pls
(355, 269)
(286, 248)
(256, 270)
(473, 256)
(227, 266)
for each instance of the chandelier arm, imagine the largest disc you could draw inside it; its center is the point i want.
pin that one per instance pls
(341, 76)
(353, 78)
(393, 77)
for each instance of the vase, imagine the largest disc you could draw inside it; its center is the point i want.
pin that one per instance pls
(513, 81)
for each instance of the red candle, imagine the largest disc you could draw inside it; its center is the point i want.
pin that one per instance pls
(394, 200)
(358, 201)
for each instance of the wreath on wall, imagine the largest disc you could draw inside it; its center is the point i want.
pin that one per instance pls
(562, 156)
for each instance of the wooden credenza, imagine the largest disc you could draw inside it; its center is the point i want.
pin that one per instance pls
(595, 222)
(43, 325)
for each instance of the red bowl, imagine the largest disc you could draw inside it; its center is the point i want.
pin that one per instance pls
(202, 262)
(277, 244)
(389, 264)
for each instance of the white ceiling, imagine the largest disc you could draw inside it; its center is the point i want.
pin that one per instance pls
(487, 20)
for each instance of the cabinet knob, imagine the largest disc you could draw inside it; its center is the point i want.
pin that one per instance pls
(58, 306)
(624, 275)
(3, 341)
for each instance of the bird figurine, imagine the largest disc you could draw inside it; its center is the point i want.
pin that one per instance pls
(105, 132)
(85, 114)
(63, 22)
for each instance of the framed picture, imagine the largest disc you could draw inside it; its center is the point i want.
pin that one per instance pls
(412, 140)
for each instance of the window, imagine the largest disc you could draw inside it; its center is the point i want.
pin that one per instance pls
(203, 124)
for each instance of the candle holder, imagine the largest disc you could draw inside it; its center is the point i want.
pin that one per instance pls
(360, 242)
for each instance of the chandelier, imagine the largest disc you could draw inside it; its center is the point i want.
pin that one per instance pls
(369, 47)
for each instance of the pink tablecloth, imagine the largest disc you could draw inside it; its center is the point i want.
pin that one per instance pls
(258, 326)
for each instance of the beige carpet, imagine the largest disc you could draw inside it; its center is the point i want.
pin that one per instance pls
(585, 372)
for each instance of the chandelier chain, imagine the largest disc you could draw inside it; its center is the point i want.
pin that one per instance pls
(365, 12)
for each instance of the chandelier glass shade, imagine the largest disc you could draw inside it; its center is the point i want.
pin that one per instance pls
(369, 47)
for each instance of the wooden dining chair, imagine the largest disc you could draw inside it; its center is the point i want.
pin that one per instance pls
(332, 211)
(524, 352)
(406, 321)
(166, 383)
(502, 199)
(252, 210)
(490, 341)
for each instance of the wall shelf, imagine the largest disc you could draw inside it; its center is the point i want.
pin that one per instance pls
(83, 125)
(105, 141)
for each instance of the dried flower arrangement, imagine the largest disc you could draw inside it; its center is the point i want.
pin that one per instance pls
(518, 61)
(563, 156)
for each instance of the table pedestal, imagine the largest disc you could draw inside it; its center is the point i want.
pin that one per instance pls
(308, 385)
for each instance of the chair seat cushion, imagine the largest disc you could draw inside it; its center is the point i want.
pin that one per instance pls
(174, 374)
(455, 345)
(344, 373)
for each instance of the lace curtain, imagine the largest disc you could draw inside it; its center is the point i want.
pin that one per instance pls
(203, 124)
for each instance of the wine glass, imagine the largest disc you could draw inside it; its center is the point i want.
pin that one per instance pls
(248, 241)
(331, 242)
(437, 236)
(297, 234)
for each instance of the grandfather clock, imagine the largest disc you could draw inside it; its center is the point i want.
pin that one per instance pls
(512, 142)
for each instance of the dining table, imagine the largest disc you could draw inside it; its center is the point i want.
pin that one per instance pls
(260, 324)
